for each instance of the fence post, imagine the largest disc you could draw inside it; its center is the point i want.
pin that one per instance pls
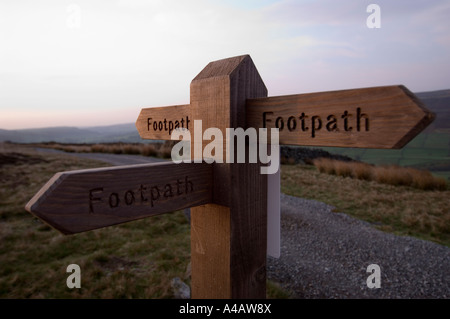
(228, 241)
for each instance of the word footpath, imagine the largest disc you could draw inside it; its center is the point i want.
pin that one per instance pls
(142, 195)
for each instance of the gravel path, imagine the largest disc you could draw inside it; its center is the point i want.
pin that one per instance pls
(113, 159)
(326, 255)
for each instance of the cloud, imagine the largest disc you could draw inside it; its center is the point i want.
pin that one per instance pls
(145, 53)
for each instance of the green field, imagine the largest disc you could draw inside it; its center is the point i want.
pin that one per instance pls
(429, 151)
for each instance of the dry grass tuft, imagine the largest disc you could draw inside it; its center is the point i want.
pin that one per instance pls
(362, 171)
(162, 150)
(391, 175)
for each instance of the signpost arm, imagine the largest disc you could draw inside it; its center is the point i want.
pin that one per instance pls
(379, 117)
(83, 200)
(228, 244)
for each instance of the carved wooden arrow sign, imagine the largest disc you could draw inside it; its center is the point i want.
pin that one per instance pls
(379, 117)
(158, 123)
(78, 201)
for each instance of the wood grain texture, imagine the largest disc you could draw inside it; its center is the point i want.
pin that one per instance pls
(83, 200)
(228, 244)
(380, 117)
(157, 123)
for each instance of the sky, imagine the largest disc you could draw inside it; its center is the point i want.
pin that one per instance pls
(98, 62)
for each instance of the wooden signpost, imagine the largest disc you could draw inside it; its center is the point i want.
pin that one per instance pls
(228, 201)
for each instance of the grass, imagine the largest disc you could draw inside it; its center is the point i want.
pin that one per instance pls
(428, 150)
(134, 260)
(402, 210)
(161, 150)
(138, 259)
(386, 174)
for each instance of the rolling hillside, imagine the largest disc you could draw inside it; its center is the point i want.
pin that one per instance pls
(126, 133)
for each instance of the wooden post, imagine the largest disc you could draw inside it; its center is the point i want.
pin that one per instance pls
(228, 241)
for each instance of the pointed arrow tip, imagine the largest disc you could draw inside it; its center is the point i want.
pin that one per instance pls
(427, 118)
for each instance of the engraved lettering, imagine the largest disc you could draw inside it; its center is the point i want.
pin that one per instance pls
(331, 125)
(154, 194)
(114, 200)
(302, 118)
(279, 123)
(359, 116)
(316, 125)
(149, 121)
(292, 123)
(101, 201)
(93, 199)
(347, 121)
(265, 118)
(142, 189)
(345, 116)
(188, 185)
(165, 125)
(168, 191)
(178, 187)
(129, 198)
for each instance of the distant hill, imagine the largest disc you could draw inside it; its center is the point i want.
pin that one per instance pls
(439, 103)
(126, 133)
(436, 101)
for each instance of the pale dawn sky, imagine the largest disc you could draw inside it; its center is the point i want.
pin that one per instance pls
(98, 62)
